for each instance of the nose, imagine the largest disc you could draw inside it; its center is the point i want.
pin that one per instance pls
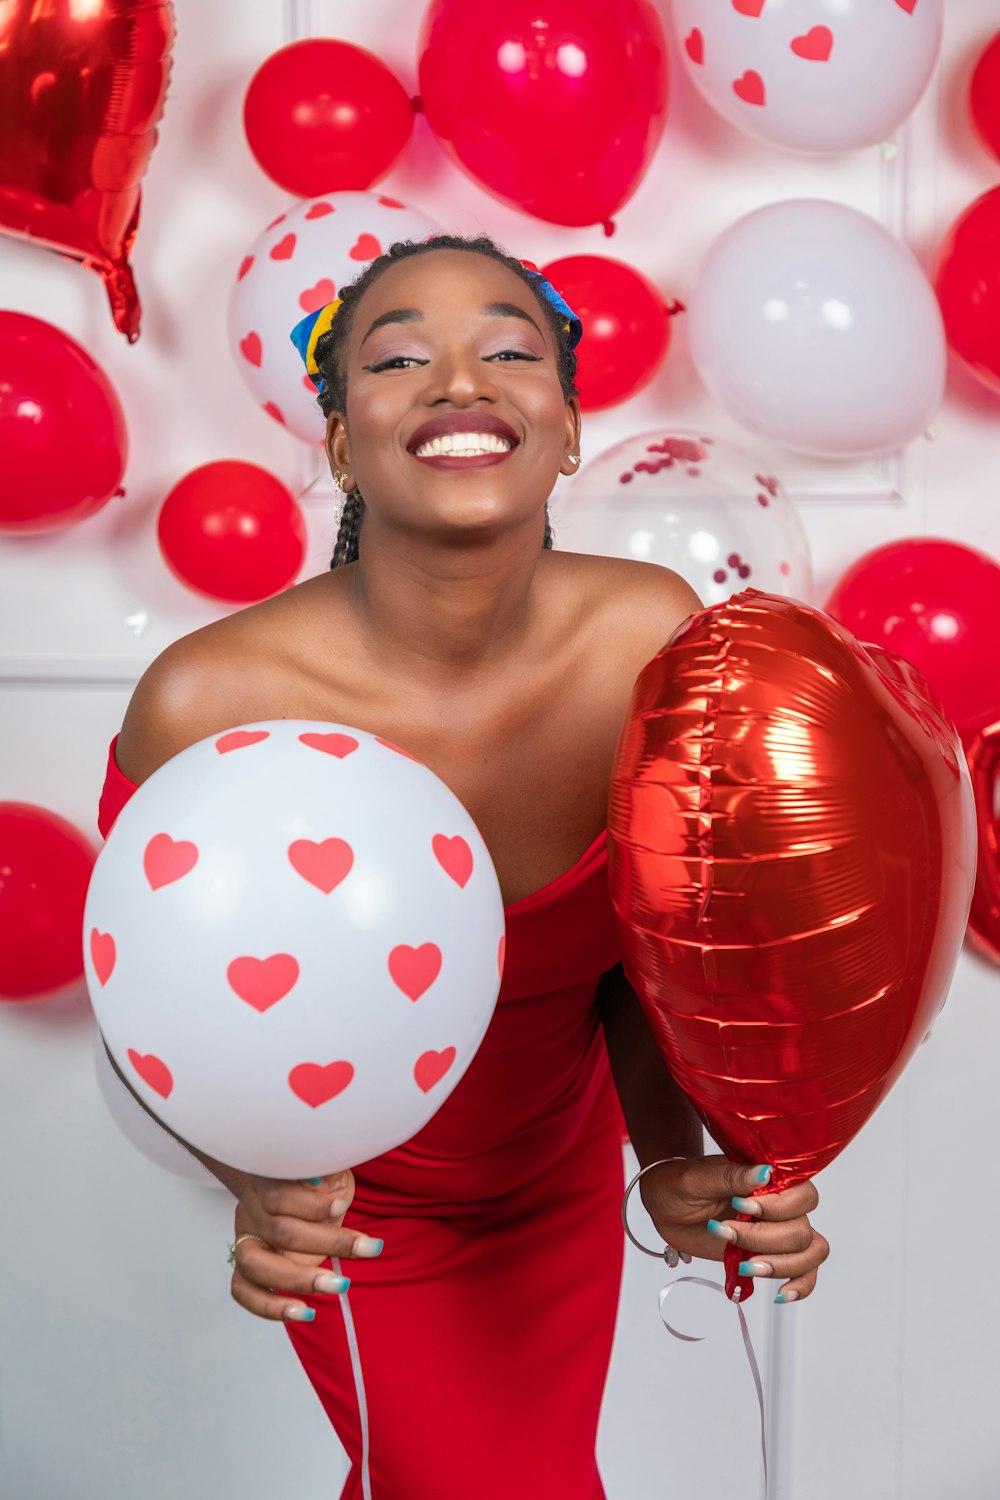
(459, 376)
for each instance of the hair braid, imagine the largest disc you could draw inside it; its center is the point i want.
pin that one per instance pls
(330, 348)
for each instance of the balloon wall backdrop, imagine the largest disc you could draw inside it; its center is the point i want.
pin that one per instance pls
(968, 285)
(816, 328)
(321, 115)
(792, 847)
(294, 944)
(830, 76)
(984, 763)
(63, 443)
(45, 868)
(294, 268)
(554, 106)
(82, 89)
(690, 503)
(984, 97)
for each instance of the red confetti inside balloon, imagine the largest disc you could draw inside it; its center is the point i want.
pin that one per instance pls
(792, 848)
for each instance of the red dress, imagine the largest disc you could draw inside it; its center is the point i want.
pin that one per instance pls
(485, 1326)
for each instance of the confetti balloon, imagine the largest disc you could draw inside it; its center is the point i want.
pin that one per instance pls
(293, 939)
(792, 848)
(704, 508)
(296, 267)
(830, 76)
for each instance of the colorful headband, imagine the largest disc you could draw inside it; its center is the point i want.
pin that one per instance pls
(307, 333)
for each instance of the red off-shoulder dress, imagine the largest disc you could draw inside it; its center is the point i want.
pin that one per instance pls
(485, 1326)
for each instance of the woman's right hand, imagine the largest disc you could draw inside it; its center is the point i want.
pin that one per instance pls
(301, 1224)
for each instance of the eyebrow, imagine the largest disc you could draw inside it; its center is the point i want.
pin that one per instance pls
(414, 315)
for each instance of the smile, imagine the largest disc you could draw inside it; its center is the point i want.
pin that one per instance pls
(463, 445)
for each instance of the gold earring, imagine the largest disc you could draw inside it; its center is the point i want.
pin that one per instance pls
(340, 480)
(573, 458)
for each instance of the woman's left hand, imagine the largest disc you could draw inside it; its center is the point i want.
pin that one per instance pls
(693, 1204)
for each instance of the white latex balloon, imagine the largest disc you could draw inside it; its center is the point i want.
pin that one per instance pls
(292, 942)
(295, 267)
(811, 324)
(704, 508)
(828, 76)
(140, 1129)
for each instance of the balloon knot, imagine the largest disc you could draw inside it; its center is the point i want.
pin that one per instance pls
(417, 104)
(675, 307)
(609, 226)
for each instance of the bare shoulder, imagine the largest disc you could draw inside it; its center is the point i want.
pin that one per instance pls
(636, 605)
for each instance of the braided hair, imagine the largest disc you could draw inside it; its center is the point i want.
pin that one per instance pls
(330, 348)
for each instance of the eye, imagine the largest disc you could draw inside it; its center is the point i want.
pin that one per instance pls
(397, 362)
(507, 354)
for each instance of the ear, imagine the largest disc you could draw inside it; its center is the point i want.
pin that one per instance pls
(338, 449)
(571, 450)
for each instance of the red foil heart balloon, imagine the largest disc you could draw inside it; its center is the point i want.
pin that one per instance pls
(81, 90)
(792, 851)
(984, 918)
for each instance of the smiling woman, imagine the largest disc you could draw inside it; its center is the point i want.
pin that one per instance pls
(460, 634)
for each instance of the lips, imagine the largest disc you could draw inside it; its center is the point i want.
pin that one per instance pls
(461, 421)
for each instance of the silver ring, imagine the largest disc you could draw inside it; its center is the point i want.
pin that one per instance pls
(239, 1240)
(668, 1253)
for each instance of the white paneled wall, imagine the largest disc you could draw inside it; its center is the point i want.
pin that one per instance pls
(125, 1371)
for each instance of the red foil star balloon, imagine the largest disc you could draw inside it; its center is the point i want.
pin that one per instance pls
(792, 852)
(81, 90)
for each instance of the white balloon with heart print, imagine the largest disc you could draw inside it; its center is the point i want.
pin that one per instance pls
(295, 267)
(293, 944)
(829, 76)
(706, 509)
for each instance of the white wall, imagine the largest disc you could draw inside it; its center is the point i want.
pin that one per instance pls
(125, 1371)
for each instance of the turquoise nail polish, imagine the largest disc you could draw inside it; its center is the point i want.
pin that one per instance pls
(746, 1267)
(316, 1181)
(721, 1231)
(782, 1297)
(764, 1175)
(747, 1206)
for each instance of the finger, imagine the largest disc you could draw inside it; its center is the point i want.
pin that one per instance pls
(795, 1290)
(788, 1266)
(318, 1199)
(286, 1234)
(785, 1237)
(790, 1203)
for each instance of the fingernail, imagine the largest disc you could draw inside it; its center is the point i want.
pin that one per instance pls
(747, 1206)
(363, 1245)
(338, 1208)
(755, 1268)
(314, 1180)
(764, 1175)
(300, 1314)
(722, 1231)
(791, 1296)
(327, 1282)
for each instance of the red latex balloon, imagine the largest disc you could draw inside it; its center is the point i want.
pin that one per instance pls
(553, 105)
(322, 115)
(984, 917)
(792, 847)
(933, 602)
(45, 866)
(984, 97)
(232, 531)
(81, 90)
(63, 442)
(625, 322)
(967, 277)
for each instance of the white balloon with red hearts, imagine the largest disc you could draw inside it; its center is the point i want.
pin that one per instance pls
(293, 943)
(831, 76)
(299, 264)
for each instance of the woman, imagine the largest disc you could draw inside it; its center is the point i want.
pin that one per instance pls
(449, 626)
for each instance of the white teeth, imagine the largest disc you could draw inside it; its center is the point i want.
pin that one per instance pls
(464, 445)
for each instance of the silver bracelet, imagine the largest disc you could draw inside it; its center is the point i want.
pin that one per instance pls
(668, 1253)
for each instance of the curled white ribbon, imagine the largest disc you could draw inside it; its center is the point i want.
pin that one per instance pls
(690, 1338)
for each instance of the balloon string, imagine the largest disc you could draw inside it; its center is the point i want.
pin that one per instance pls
(359, 1383)
(688, 1338)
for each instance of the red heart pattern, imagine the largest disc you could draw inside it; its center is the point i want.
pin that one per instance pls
(694, 46)
(315, 1084)
(749, 88)
(454, 856)
(749, 7)
(315, 297)
(331, 744)
(284, 249)
(324, 864)
(319, 210)
(103, 954)
(252, 349)
(275, 412)
(431, 1067)
(262, 982)
(153, 1072)
(414, 970)
(245, 265)
(391, 203)
(238, 739)
(816, 45)
(366, 247)
(275, 222)
(908, 5)
(501, 953)
(165, 860)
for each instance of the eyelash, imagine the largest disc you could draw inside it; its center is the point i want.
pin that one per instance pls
(399, 360)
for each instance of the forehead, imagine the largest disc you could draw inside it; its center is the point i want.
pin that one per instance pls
(456, 280)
